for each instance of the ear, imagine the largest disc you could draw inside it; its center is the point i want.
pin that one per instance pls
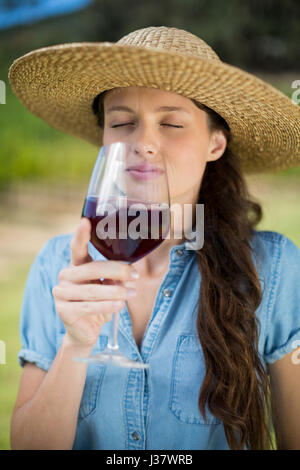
(217, 146)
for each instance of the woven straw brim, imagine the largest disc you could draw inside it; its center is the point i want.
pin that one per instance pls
(59, 84)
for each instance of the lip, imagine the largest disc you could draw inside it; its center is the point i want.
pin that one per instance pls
(144, 167)
(144, 171)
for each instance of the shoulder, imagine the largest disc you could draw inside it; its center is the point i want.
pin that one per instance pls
(270, 238)
(277, 261)
(56, 252)
(279, 273)
(274, 249)
(54, 255)
(56, 248)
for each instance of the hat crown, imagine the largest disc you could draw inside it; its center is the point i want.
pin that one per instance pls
(170, 39)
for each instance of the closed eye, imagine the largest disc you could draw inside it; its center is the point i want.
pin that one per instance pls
(130, 123)
(120, 125)
(171, 125)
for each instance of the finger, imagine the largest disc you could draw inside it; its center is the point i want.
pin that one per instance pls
(70, 312)
(79, 243)
(114, 270)
(91, 292)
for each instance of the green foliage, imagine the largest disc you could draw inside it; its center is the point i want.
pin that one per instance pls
(261, 35)
(252, 35)
(11, 298)
(31, 149)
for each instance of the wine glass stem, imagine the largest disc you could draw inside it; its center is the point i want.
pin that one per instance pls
(113, 339)
(114, 336)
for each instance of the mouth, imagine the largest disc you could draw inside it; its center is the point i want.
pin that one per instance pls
(144, 171)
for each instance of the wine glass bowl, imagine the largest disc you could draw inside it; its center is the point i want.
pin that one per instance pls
(128, 205)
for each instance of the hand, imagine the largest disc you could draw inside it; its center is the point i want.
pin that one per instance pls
(84, 303)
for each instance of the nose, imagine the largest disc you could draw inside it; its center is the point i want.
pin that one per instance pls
(145, 150)
(145, 144)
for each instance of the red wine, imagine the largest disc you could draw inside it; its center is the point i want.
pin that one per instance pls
(126, 233)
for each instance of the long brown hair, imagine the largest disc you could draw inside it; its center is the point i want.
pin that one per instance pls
(236, 387)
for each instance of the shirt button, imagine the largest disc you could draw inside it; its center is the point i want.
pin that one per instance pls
(167, 292)
(135, 436)
(179, 252)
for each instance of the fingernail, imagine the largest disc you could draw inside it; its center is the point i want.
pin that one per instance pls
(131, 292)
(134, 274)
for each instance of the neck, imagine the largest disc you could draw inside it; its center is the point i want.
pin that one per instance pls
(156, 263)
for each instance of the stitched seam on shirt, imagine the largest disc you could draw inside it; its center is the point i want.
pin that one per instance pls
(150, 395)
(271, 237)
(172, 388)
(125, 417)
(124, 408)
(90, 404)
(133, 386)
(157, 319)
(286, 348)
(141, 409)
(275, 275)
(29, 355)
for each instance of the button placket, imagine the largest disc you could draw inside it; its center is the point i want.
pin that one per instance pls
(136, 395)
(133, 410)
(163, 301)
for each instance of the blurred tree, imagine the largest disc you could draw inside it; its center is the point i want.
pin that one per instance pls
(259, 36)
(255, 35)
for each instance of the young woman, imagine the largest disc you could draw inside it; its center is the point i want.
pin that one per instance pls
(219, 326)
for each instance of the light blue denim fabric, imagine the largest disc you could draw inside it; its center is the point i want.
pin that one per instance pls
(158, 408)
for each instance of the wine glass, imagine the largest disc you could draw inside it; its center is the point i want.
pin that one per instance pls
(128, 205)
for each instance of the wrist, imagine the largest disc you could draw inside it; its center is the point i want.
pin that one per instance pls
(68, 344)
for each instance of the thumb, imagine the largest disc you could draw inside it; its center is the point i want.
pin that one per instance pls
(79, 243)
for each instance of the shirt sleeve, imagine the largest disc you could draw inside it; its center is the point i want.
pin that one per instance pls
(283, 320)
(38, 314)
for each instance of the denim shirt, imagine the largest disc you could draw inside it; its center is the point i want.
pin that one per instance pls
(157, 408)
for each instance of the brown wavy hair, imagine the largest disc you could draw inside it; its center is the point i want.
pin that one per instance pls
(236, 387)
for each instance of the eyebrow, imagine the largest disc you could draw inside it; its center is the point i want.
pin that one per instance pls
(159, 110)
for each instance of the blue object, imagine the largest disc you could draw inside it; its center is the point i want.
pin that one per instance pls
(158, 408)
(29, 12)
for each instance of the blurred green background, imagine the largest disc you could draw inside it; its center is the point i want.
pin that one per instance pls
(44, 173)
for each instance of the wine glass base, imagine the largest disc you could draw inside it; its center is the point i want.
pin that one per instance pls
(114, 357)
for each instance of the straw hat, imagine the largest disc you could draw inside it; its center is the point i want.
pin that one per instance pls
(59, 84)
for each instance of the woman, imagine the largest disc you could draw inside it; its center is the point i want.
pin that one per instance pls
(218, 326)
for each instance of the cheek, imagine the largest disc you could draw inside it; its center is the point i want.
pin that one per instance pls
(186, 165)
(107, 136)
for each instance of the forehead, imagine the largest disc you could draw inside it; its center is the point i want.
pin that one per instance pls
(146, 94)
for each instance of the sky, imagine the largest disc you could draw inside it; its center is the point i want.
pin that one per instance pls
(19, 12)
